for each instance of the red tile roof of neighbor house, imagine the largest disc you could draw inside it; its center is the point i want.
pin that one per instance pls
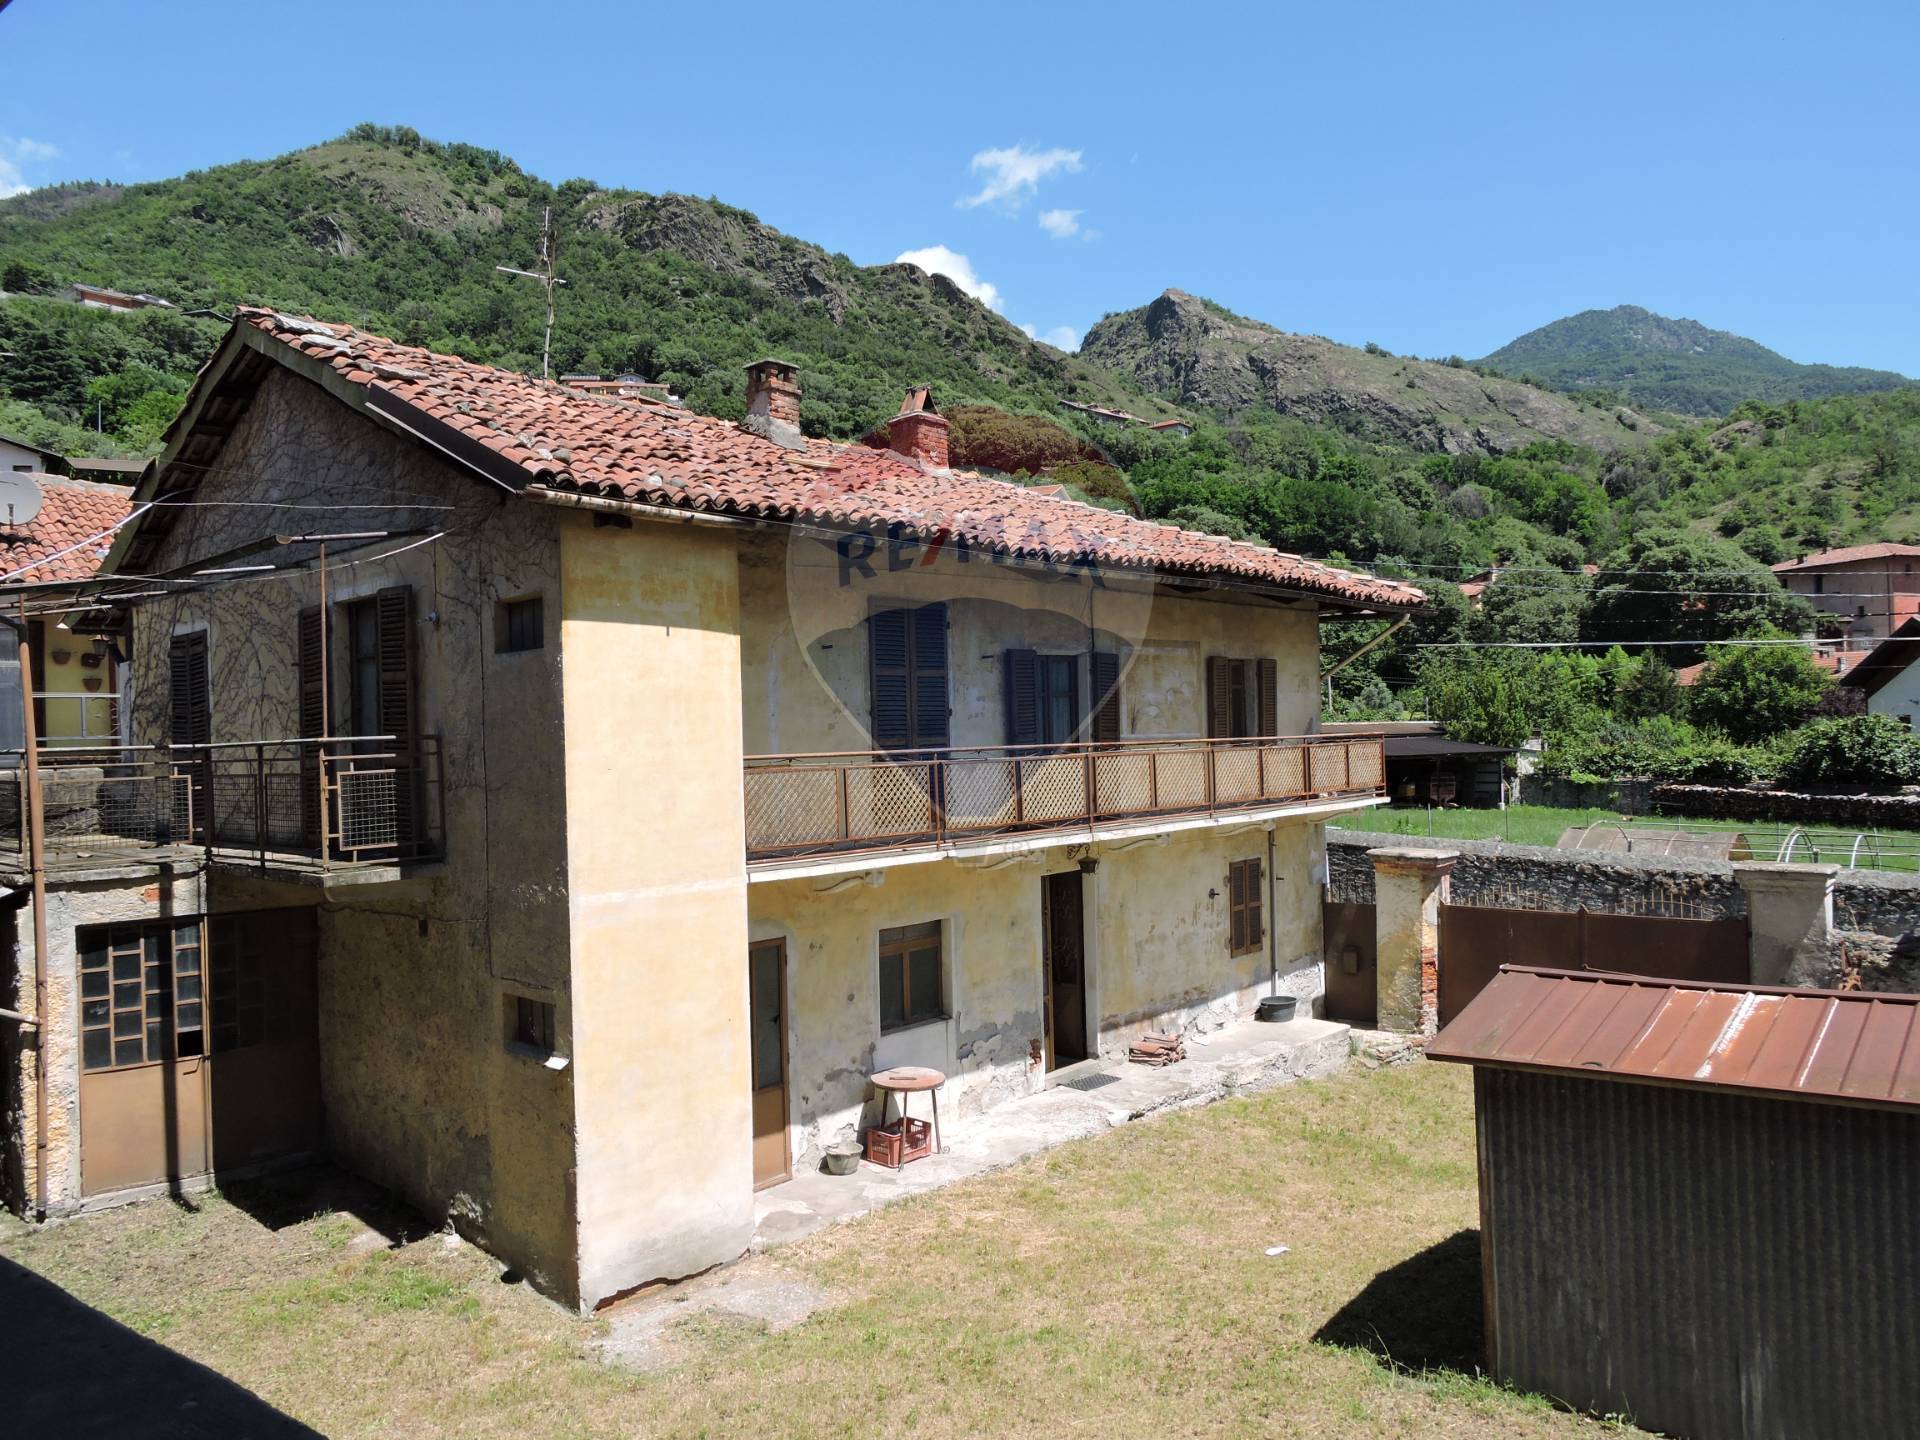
(1834, 662)
(638, 450)
(1884, 550)
(72, 512)
(1850, 1045)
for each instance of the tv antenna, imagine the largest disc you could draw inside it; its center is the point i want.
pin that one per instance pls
(547, 279)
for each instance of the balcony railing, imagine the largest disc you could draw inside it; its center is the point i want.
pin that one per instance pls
(278, 804)
(865, 800)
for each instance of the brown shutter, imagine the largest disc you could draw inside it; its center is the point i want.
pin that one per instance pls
(889, 656)
(1236, 911)
(310, 658)
(394, 626)
(1021, 680)
(930, 677)
(1256, 906)
(1219, 697)
(190, 705)
(1103, 675)
(1268, 722)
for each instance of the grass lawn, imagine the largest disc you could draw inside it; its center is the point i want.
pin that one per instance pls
(1114, 1287)
(1894, 850)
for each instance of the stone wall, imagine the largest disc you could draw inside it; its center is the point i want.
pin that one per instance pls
(1732, 802)
(1539, 877)
(1874, 945)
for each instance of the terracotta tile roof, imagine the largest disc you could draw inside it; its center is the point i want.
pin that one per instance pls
(1805, 1044)
(1884, 550)
(637, 450)
(1834, 662)
(71, 511)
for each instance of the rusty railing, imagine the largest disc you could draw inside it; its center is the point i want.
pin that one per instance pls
(877, 800)
(307, 803)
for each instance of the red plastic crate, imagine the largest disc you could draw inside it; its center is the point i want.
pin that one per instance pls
(895, 1144)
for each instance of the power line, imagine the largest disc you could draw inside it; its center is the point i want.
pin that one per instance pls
(1598, 644)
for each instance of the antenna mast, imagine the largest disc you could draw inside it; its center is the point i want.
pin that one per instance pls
(548, 280)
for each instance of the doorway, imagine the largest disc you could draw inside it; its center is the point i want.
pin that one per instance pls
(1065, 968)
(767, 991)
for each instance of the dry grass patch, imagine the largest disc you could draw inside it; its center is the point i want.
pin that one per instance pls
(1114, 1286)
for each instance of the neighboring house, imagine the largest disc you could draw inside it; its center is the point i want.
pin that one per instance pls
(21, 455)
(1172, 427)
(44, 560)
(101, 298)
(1474, 588)
(1889, 676)
(106, 469)
(1104, 414)
(1875, 589)
(560, 820)
(625, 387)
(1836, 659)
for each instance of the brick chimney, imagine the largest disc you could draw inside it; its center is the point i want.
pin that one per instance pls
(773, 402)
(919, 432)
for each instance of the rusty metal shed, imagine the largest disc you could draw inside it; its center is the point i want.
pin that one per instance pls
(1700, 1204)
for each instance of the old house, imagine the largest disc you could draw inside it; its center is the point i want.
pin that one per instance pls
(1873, 589)
(554, 805)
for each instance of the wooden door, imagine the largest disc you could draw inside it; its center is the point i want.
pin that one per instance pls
(767, 1024)
(1065, 969)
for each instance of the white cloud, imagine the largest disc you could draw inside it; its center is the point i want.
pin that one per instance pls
(16, 153)
(1015, 172)
(939, 260)
(1061, 337)
(1061, 224)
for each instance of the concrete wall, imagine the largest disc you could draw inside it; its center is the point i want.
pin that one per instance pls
(804, 640)
(1157, 958)
(650, 629)
(421, 1091)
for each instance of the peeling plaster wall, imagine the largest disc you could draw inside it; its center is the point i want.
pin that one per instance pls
(804, 643)
(421, 1093)
(1156, 959)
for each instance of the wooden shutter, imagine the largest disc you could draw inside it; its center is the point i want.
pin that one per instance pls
(1256, 907)
(189, 701)
(1020, 678)
(1219, 697)
(1267, 721)
(890, 657)
(313, 716)
(1246, 928)
(1103, 677)
(394, 628)
(930, 677)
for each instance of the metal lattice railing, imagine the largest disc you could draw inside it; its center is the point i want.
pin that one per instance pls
(796, 804)
(324, 803)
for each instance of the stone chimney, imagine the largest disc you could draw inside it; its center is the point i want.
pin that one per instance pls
(773, 402)
(919, 432)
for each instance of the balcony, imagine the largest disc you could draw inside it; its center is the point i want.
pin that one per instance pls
(951, 801)
(309, 809)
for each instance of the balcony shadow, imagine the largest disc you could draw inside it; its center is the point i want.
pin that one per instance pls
(77, 1374)
(1422, 1314)
(282, 1198)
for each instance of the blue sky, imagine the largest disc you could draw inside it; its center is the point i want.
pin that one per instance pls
(1434, 177)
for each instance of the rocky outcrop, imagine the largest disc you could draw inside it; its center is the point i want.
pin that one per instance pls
(727, 241)
(1199, 354)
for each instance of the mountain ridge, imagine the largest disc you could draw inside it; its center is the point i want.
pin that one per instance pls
(1673, 364)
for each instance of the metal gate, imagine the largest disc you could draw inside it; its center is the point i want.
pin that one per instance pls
(1347, 931)
(1476, 940)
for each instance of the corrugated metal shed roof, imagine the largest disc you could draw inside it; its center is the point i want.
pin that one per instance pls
(1848, 1046)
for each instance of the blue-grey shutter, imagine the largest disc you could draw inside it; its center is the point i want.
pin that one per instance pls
(889, 656)
(1021, 681)
(930, 677)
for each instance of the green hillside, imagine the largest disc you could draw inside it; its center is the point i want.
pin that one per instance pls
(400, 234)
(1680, 365)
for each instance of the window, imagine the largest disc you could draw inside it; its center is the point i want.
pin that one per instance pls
(1819, 584)
(189, 697)
(140, 996)
(1246, 927)
(1242, 698)
(531, 1023)
(1059, 680)
(912, 978)
(519, 625)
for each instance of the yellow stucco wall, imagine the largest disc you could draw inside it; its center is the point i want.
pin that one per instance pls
(804, 642)
(656, 888)
(1157, 958)
(71, 717)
